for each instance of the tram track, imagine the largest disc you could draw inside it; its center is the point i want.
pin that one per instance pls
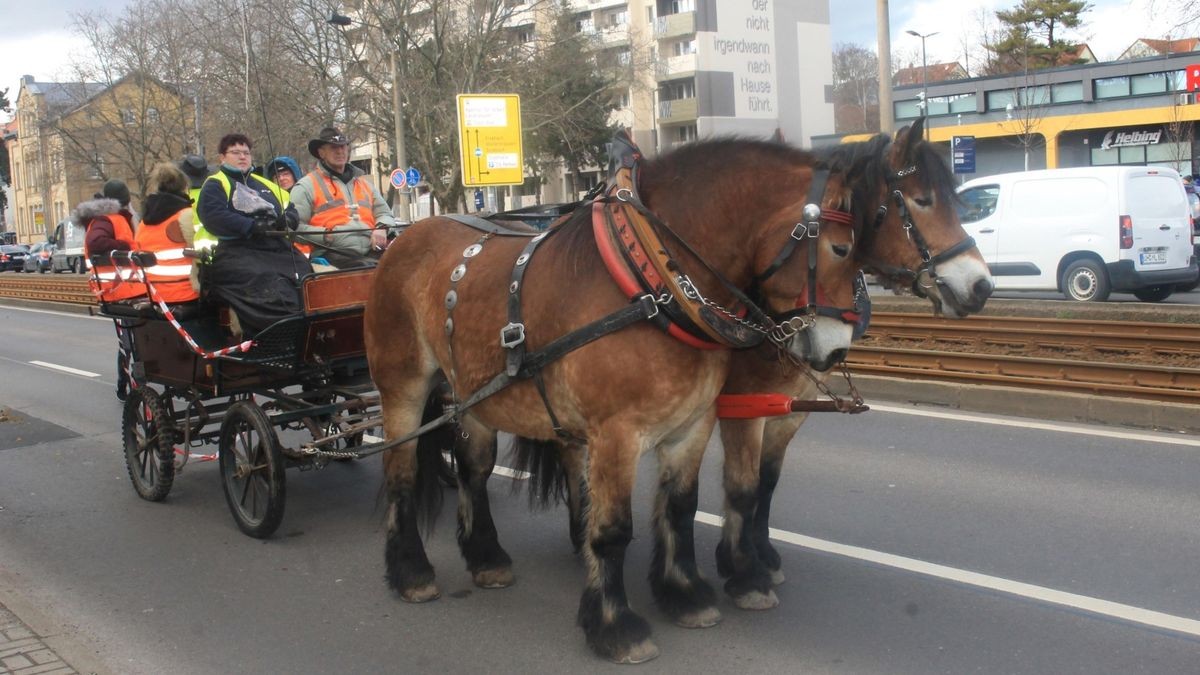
(1135, 359)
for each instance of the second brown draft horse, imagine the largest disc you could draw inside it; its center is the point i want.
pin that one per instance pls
(439, 305)
(900, 197)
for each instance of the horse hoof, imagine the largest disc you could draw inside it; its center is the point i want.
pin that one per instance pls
(704, 618)
(777, 577)
(756, 600)
(501, 577)
(421, 593)
(640, 653)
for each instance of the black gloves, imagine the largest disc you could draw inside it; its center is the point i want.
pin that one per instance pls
(289, 220)
(264, 222)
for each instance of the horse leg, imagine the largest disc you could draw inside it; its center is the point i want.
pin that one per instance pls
(681, 592)
(475, 455)
(408, 570)
(749, 582)
(777, 435)
(574, 461)
(613, 630)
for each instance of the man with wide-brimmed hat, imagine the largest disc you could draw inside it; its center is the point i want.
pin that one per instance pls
(343, 217)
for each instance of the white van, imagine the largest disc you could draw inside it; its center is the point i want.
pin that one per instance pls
(1084, 232)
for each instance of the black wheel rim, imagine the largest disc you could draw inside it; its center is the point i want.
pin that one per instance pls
(144, 444)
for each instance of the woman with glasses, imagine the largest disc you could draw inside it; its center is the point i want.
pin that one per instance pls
(254, 269)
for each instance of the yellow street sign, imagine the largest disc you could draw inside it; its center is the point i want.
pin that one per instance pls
(489, 139)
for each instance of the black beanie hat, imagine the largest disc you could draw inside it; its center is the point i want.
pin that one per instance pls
(116, 189)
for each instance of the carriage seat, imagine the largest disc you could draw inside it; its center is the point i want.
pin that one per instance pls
(142, 308)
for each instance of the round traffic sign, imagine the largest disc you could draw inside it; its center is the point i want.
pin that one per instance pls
(413, 176)
(398, 178)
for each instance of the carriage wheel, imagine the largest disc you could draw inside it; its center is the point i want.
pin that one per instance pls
(252, 469)
(149, 439)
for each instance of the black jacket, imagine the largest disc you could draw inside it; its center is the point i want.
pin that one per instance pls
(215, 208)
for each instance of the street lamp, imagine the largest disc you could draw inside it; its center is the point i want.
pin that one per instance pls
(400, 209)
(924, 75)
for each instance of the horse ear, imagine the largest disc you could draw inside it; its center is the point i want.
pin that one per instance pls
(908, 137)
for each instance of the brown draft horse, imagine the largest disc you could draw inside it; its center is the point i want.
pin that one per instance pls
(632, 391)
(915, 238)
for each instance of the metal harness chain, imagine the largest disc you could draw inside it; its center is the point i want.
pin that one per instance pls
(693, 293)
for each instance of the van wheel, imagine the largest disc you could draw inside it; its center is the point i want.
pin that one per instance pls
(77, 267)
(1154, 293)
(1085, 281)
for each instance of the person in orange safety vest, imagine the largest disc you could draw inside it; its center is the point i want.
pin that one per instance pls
(164, 228)
(343, 217)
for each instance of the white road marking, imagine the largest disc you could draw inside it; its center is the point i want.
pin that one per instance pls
(65, 369)
(74, 315)
(1039, 593)
(1026, 423)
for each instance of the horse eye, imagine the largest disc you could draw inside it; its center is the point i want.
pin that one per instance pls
(924, 202)
(841, 250)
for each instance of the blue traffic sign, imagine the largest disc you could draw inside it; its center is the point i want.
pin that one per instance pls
(413, 176)
(479, 200)
(962, 149)
(398, 179)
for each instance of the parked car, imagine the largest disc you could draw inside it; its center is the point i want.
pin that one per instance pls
(1084, 232)
(1193, 193)
(38, 259)
(12, 257)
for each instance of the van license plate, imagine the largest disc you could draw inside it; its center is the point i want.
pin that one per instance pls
(1153, 257)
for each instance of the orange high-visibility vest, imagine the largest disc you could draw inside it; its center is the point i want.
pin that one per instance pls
(331, 209)
(111, 283)
(171, 275)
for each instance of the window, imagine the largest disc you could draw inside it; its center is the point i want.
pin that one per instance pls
(16, 175)
(1178, 80)
(1034, 96)
(963, 103)
(1066, 92)
(673, 91)
(1104, 157)
(524, 34)
(978, 203)
(678, 6)
(1133, 154)
(907, 110)
(613, 19)
(937, 105)
(1001, 99)
(1149, 83)
(127, 117)
(623, 99)
(152, 115)
(1111, 87)
(683, 47)
(685, 133)
(96, 167)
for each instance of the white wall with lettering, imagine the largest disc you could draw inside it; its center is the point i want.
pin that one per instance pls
(745, 47)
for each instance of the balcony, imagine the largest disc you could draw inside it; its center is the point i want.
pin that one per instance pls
(675, 25)
(677, 111)
(613, 36)
(675, 67)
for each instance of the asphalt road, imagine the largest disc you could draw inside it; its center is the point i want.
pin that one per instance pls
(921, 544)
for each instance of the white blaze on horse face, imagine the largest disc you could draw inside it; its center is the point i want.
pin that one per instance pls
(823, 343)
(959, 285)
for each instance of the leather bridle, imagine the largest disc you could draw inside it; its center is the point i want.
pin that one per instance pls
(929, 260)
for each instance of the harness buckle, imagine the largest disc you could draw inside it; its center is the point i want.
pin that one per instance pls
(512, 335)
(804, 230)
(652, 301)
(624, 194)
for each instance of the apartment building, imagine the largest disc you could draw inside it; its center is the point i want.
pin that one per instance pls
(72, 136)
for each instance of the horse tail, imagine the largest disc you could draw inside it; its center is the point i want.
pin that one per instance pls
(433, 469)
(543, 461)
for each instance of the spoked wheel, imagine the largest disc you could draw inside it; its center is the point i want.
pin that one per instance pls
(252, 469)
(149, 437)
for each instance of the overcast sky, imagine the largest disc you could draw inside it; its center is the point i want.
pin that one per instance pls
(36, 38)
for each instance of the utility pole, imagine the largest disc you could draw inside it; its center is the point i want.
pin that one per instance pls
(924, 78)
(883, 39)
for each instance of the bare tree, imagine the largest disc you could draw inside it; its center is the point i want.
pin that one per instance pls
(855, 89)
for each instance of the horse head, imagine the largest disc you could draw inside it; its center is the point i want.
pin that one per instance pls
(905, 200)
(761, 225)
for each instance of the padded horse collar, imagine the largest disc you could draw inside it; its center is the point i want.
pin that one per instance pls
(627, 235)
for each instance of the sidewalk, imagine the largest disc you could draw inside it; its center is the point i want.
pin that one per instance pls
(23, 652)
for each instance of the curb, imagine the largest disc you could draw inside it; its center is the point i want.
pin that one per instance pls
(32, 642)
(66, 307)
(1045, 405)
